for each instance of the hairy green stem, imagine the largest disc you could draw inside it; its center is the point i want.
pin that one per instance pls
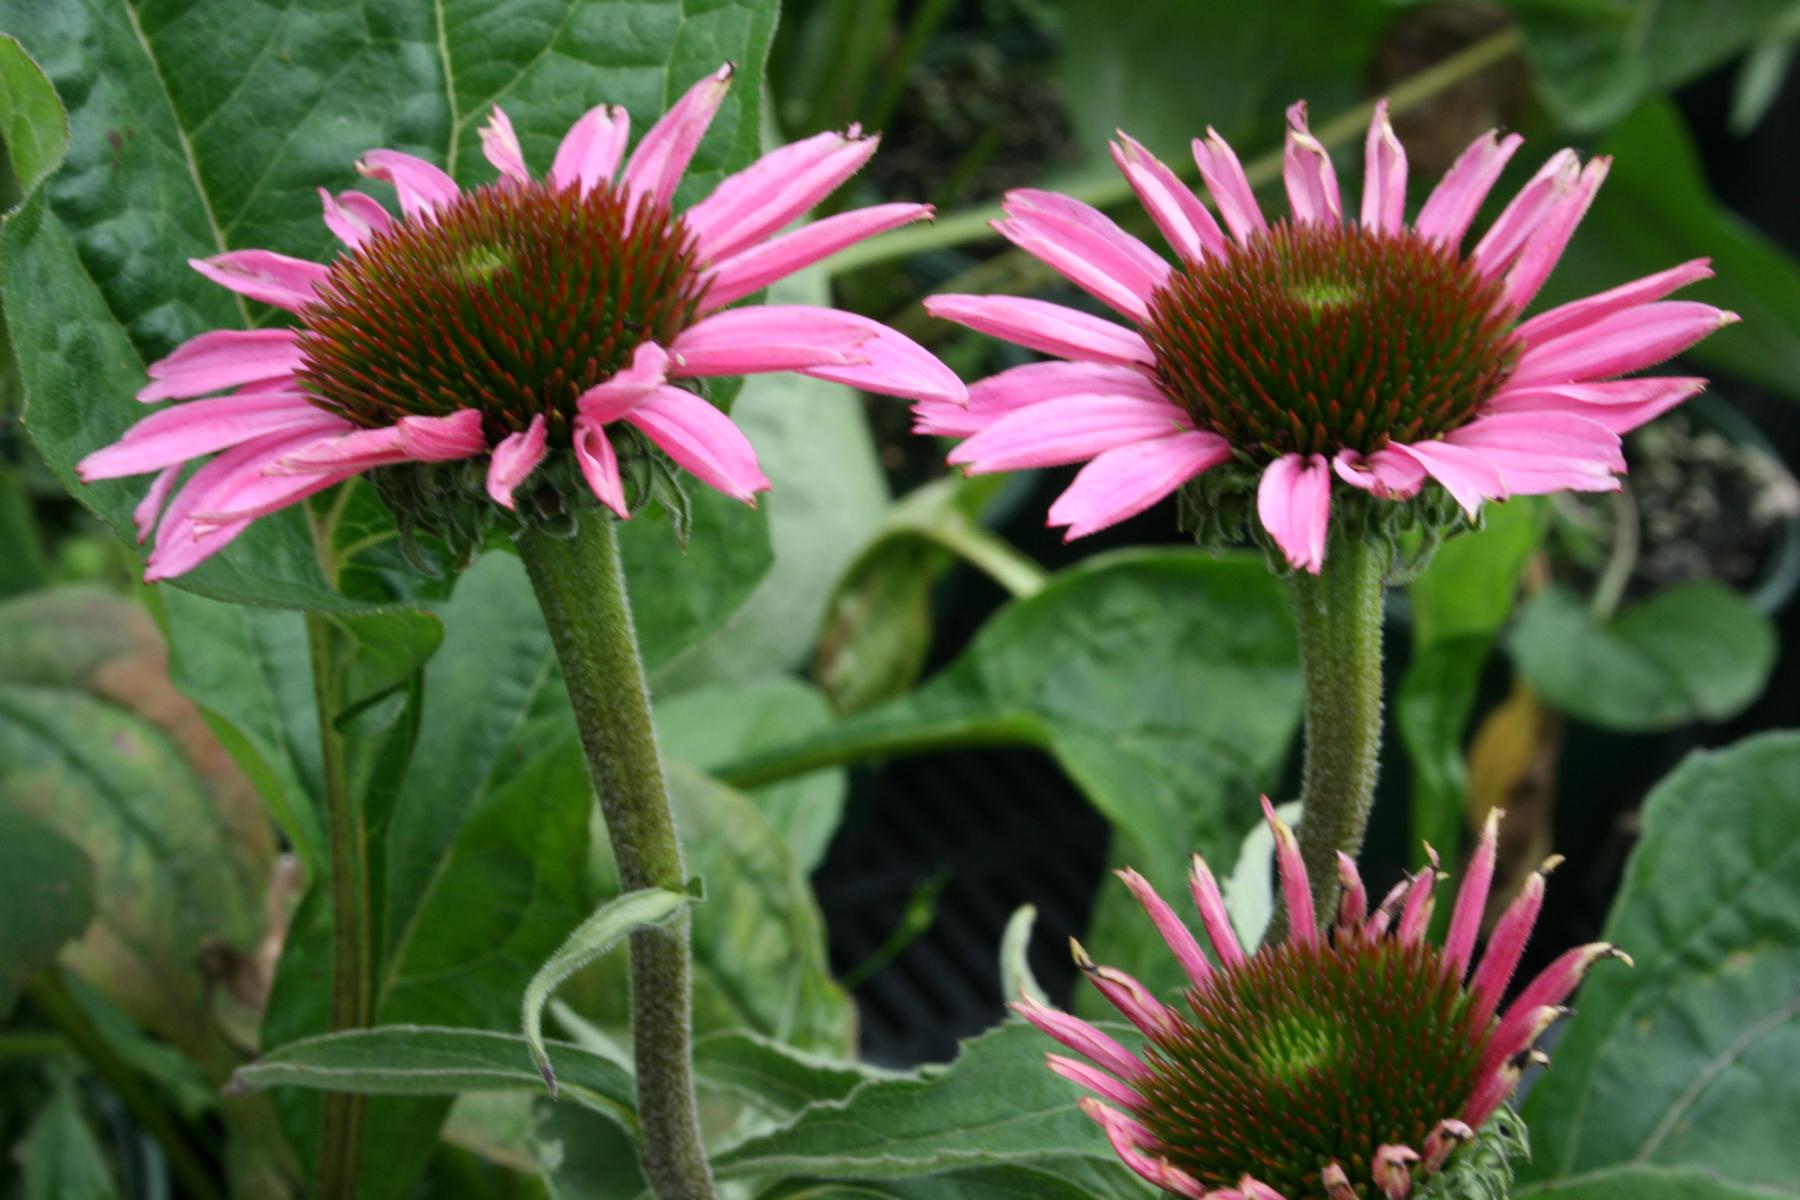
(1338, 614)
(580, 586)
(341, 1130)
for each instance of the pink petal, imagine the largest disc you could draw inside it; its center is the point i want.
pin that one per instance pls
(220, 359)
(1251, 1188)
(150, 507)
(599, 465)
(501, 146)
(1619, 343)
(1183, 219)
(1551, 238)
(354, 217)
(1174, 931)
(1016, 387)
(1066, 430)
(350, 450)
(759, 266)
(423, 188)
(1091, 1078)
(1386, 474)
(946, 418)
(1083, 1039)
(1471, 899)
(514, 459)
(266, 276)
(1134, 1001)
(1579, 314)
(1550, 436)
(612, 398)
(1390, 1172)
(442, 439)
(1293, 501)
(703, 440)
(1517, 1031)
(1452, 205)
(1621, 405)
(1384, 175)
(1126, 1136)
(1443, 1140)
(1229, 186)
(174, 435)
(892, 363)
(745, 341)
(1509, 233)
(1353, 897)
(773, 190)
(1042, 326)
(662, 158)
(1306, 170)
(1205, 890)
(1556, 982)
(1421, 899)
(1504, 949)
(1087, 247)
(1124, 482)
(591, 150)
(1296, 889)
(1466, 474)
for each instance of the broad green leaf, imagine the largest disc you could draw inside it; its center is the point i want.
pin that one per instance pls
(61, 1158)
(994, 1105)
(1697, 651)
(202, 126)
(711, 726)
(584, 1157)
(1643, 1183)
(1655, 211)
(775, 1075)
(1458, 607)
(33, 128)
(430, 1060)
(646, 908)
(46, 898)
(1689, 1060)
(1595, 59)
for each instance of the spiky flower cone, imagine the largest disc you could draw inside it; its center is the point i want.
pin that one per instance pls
(1351, 1063)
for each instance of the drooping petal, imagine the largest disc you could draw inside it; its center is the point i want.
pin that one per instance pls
(590, 152)
(1551, 238)
(266, 276)
(1125, 481)
(1538, 453)
(1127, 1138)
(354, 217)
(1386, 474)
(702, 440)
(612, 398)
(221, 359)
(599, 465)
(1092, 1078)
(745, 341)
(1450, 209)
(1506, 237)
(887, 362)
(1464, 473)
(423, 188)
(1296, 889)
(757, 267)
(1066, 430)
(1579, 314)
(1293, 501)
(175, 435)
(1087, 247)
(1213, 915)
(349, 449)
(1471, 899)
(662, 158)
(1384, 175)
(1619, 343)
(1174, 930)
(144, 516)
(501, 146)
(1183, 219)
(1139, 1006)
(442, 439)
(1307, 172)
(1045, 327)
(514, 459)
(773, 190)
(1621, 404)
(1230, 187)
(1083, 1039)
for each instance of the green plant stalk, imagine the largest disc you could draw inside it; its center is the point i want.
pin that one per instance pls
(1338, 615)
(352, 971)
(580, 586)
(863, 740)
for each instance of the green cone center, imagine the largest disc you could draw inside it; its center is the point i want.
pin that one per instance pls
(513, 301)
(1315, 338)
(1307, 1056)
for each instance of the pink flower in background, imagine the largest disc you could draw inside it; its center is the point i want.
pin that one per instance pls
(525, 318)
(1359, 347)
(1331, 1066)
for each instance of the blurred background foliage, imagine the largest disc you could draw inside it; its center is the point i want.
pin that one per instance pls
(900, 708)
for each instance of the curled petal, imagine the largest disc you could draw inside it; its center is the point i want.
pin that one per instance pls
(1391, 1170)
(599, 465)
(1307, 171)
(1384, 175)
(773, 190)
(1230, 187)
(1183, 219)
(612, 398)
(442, 439)
(1443, 1140)
(1174, 931)
(702, 440)
(1293, 501)
(1452, 205)
(1556, 982)
(501, 145)
(1336, 1183)
(423, 188)
(1066, 430)
(266, 276)
(662, 158)
(590, 152)
(1046, 327)
(745, 341)
(1385, 473)
(514, 459)
(221, 359)
(1125, 481)
(759, 266)
(1471, 899)
(354, 217)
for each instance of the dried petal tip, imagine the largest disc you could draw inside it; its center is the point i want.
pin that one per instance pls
(1337, 1184)
(1449, 1134)
(1391, 1170)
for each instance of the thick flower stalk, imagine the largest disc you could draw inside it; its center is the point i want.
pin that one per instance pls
(515, 328)
(1347, 1063)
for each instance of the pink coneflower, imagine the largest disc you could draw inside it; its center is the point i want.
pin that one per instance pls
(1334, 1065)
(1365, 347)
(523, 321)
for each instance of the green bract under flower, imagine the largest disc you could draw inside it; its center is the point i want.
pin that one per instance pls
(1315, 338)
